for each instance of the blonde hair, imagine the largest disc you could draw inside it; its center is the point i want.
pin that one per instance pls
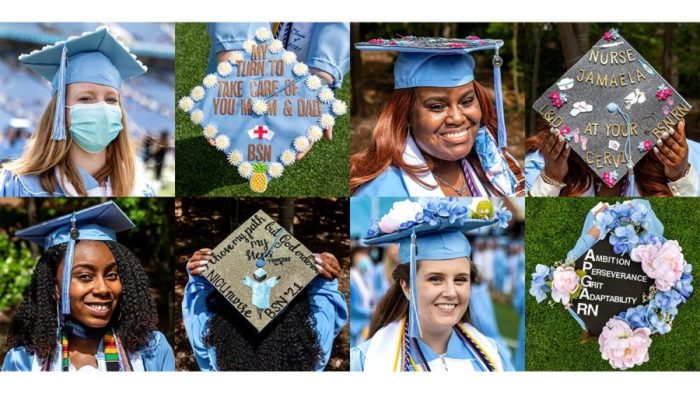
(43, 155)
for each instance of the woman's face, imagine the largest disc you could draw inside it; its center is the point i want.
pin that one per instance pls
(89, 93)
(444, 121)
(95, 286)
(443, 293)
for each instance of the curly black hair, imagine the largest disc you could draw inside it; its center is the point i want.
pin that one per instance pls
(36, 323)
(288, 343)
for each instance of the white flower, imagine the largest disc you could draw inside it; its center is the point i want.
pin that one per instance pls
(300, 69)
(210, 130)
(210, 81)
(302, 144)
(263, 34)
(314, 133)
(289, 57)
(197, 93)
(339, 107)
(326, 95)
(288, 157)
(196, 116)
(235, 157)
(313, 82)
(259, 107)
(224, 68)
(186, 104)
(327, 121)
(275, 170)
(222, 142)
(401, 212)
(248, 46)
(235, 56)
(276, 46)
(245, 170)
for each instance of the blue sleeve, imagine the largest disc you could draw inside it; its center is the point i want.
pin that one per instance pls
(330, 312)
(694, 159)
(357, 356)
(329, 50)
(160, 357)
(359, 315)
(195, 316)
(229, 36)
(387, 184)
(534, 163)
(11, 186)
(504, 353)
(17, 359)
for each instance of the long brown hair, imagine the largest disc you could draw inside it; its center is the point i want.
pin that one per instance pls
(649, 171)
(43, 155)
(394, 305)
(389, 138)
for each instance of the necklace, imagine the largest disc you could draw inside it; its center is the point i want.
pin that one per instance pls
(459, 192)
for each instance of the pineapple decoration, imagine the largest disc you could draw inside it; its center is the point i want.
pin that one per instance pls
(258, 181)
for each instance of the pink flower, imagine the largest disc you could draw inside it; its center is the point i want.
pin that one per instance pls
(644, 253)
(473, 38)
(388, 225)
(565, 130)
(666, 266)
(376, 41)
(663, 94)
(607, 36)
(622, 347)
(564, 283)
(647, 145)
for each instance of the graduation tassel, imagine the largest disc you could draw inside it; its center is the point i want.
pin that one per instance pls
(612, 108)
(68, 269)
(414, 324)
(59, 121)
(498, 89)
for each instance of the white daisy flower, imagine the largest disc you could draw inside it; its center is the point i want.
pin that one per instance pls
(248, 46)
(326, 95)
(210, 81)
(197, 93)
(245, 170)
(314, 133)
(235, 157)
(224, 68)
(276, 46)
(300, 69)
(186, 104)
(263, 34)
(302, 144)
(210, 130)
(259, 107)
(339, 107)
(196, 116)
(289, 57)
(313, 82)
(288, 157)
(275, 170)
(235, 56)
(222, 142)
(327, 121)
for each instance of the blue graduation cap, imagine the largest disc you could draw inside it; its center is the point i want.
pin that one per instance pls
(441, 62)
(100, 222)
(95, 57)
(438, 236)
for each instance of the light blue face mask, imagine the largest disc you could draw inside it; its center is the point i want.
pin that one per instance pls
(94, 126)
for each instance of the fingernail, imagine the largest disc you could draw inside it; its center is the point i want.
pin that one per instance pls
(664, 135)
(203, 263)
(567, 145)
(318, 258)
(561, 138)
(202, 269)
(659, 142)
(672, 132)
(656, 149)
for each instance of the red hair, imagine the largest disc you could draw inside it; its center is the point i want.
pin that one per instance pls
(389, 138)
(649, 171)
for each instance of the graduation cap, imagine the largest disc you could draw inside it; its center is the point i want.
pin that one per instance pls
(612, 107)
(99, 222)
(94, 57)
(441, 62)
(260, 268)
(437, 233)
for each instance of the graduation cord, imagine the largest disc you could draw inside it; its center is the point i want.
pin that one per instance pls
(467, 175)
(471, 342)
(115, 356)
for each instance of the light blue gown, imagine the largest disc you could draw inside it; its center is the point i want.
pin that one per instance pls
(157, 356)
(360, 310)
(519, 304)
(327, 305)
(388, 184)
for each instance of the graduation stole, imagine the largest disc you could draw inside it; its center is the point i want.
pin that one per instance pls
(115, 356)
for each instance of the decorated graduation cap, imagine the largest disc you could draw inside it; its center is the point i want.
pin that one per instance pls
(441, 62)
(432, 229)
(260, 268)
(612, 107)
(100, 222)
(261, 107)
(94, 57)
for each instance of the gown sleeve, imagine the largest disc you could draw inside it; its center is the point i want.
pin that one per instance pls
(504, 353)
(357, 356)
(160, 357)
(330, 311)
(17, 359)
(195, 316)
(229, 36)
(329, 50)
(11, 186)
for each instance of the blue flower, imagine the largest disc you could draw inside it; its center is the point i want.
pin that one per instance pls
(373, 228)
(667, 301)
(503, 215)
(458, 213)
(684, 286)
(608, 220)
(538, 286)
(444, 208)
(638, 215)
(624, 239)
(657, 322)
(636, 317)
(649, 238)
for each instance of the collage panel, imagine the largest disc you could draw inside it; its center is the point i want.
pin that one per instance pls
(437, 284)
(115, 312)
(263, 94)
(262, 284)
(87, 109)
(617, 295)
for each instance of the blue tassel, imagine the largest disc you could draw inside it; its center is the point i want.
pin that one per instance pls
(413, 322)
(613, 107)
(68, 270)
(498, 89)
(577, 318)
(59, 121)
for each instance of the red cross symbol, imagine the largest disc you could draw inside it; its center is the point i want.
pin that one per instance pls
(260, 131)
